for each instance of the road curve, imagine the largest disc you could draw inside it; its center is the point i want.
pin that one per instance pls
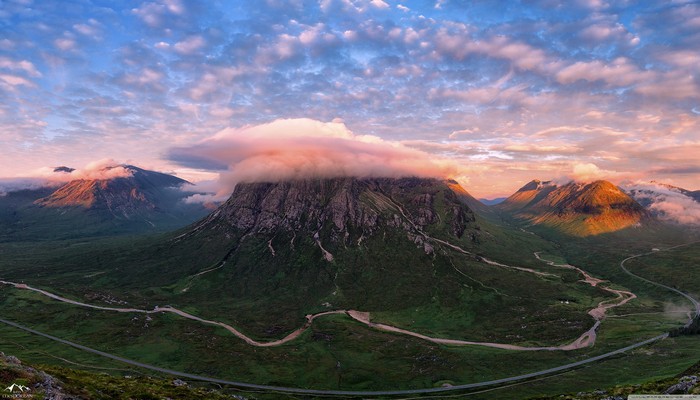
(694, 301)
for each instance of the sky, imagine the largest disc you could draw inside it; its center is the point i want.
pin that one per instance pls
(492, 94)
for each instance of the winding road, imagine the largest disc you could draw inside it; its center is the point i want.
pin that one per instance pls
(585, 340)
(692, 300)
(364, 318)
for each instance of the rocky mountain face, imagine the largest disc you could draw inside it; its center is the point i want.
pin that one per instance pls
(377, 244)
(579, 209)
(344, 210)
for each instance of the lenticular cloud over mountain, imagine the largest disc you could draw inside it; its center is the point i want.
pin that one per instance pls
(102, 169)
(301, 148)
(106, 168)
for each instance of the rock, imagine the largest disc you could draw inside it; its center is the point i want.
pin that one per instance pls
(683, 386)
(13, 360)
(179, 382)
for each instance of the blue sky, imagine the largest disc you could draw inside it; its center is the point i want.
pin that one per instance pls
(504, 93)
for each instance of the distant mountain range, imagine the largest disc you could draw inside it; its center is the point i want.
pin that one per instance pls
(135, 201)
(494, 201)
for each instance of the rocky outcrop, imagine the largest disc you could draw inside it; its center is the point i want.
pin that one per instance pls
(684, 385)
(38, 384)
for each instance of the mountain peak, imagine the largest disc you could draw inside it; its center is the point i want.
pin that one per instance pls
(580, 209)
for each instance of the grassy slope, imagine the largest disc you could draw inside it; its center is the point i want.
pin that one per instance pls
(369, 359)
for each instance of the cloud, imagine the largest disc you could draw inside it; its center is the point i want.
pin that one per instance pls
(14, 80)
(190, 45)
(101, 169)
(203, 199)
(666, 202)
(53, 176)
(8, 185)
(106, 168)
(621, 72)
(65, 44)
(589, 172)
(302, 148)
(155, 13)
(24, 65)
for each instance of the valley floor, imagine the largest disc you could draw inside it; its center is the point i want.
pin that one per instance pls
(587, 339)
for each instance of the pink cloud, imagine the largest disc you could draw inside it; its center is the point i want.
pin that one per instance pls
(14, 80)
(101, 169)
(190, 45)
(675, 84)
(49, 177)
(22, 65)
(154, 13)
(301, 148)
(667, 202)
(621, 72)
(65, 44)
(589, 172)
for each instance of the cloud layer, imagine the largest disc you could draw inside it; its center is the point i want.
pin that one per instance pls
(668, 203)
(304, 148)
(516, 92)
(54, 176)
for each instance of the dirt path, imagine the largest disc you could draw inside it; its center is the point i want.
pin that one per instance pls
(584, 340)
(167, 309)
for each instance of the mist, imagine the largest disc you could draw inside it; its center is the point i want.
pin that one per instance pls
(667, 203)
(48, 176)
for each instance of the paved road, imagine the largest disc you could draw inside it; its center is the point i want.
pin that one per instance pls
(695, 303)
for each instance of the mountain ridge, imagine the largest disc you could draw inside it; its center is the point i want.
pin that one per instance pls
(114, 202)
(578, 209)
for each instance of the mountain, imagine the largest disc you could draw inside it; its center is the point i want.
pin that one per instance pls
(344, 210)
(579, 209)
(531, 193)
(124, 199)
(123, 196)
(384, 245)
